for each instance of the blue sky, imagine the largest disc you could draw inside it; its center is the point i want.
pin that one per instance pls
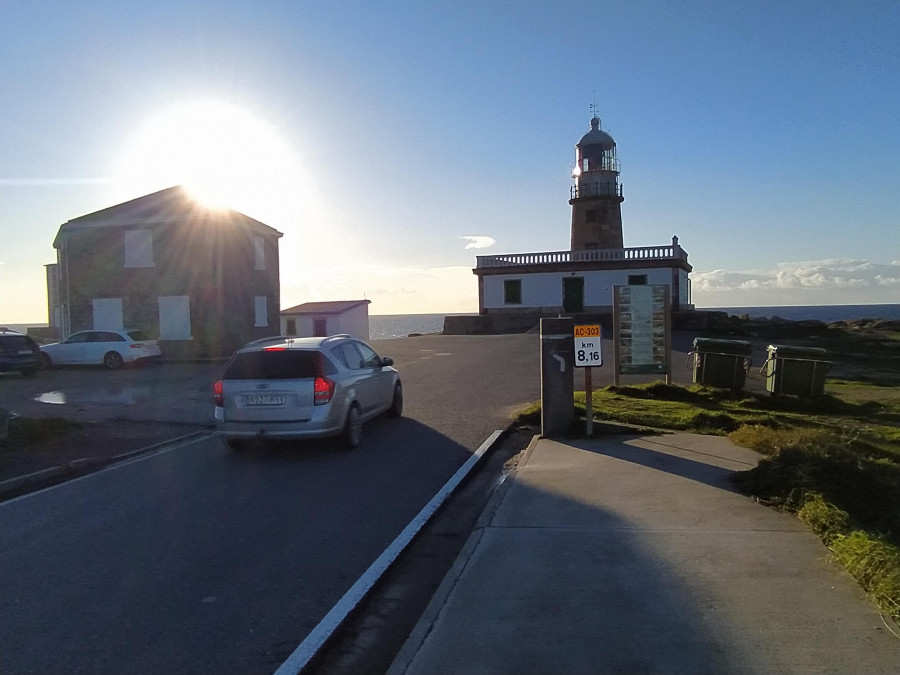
(381, 138)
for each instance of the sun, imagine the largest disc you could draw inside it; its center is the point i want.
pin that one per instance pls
(223, 154)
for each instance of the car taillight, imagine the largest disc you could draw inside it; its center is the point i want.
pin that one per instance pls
(218, 394)
(323, 390)
(137, 345)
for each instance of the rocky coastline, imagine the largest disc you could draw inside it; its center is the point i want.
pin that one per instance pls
(774, 327)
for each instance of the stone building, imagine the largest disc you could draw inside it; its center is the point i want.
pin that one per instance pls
(204, 280)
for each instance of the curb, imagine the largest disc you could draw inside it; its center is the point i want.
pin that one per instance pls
(310, 647)
(414, 641)
(56, 474)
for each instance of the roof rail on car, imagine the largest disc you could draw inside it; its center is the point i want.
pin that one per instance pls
(271, 338)
(339, 335)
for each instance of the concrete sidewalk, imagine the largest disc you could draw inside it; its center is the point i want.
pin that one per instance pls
(633, 554)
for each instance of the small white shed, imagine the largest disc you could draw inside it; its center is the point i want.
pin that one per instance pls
(320, 319)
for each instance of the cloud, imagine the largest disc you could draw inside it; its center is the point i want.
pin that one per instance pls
(833, 281)
(479, 241)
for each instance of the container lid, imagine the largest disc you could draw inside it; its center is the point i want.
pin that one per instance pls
(738, 347)
(791, 351)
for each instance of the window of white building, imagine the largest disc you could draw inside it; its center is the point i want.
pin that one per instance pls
(512, 291)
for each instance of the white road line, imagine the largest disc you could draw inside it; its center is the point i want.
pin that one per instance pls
(307, 649)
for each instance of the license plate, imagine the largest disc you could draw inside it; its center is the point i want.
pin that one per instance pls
(264, 399)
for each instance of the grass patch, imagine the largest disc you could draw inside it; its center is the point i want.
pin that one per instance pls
(667, 407)
(530, 414)
(845, 490)
(871, 423)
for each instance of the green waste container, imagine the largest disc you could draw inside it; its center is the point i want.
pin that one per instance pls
(796, 371)
(721, 363)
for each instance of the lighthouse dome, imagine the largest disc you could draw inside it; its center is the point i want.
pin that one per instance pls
(596, 136)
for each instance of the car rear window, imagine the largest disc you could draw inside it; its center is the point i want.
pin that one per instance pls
(287, 364)
(14, 343)
(138, 335)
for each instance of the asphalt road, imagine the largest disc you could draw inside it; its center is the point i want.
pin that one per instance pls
(196, 559)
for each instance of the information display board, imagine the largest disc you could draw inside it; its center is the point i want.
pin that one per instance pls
(642, 324)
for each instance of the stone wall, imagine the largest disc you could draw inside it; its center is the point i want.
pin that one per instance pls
(708, 322)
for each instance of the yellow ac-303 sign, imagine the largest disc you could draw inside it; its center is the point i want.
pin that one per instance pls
(587, 331)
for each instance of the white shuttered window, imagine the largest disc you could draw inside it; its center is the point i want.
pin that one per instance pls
(261, 307)
(138, 248)
(175, 317)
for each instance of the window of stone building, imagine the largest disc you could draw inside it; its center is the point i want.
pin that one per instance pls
(637, 279)
(138, 248)
(260, 306)
(259, 249)
(590, 216)
(174, 317)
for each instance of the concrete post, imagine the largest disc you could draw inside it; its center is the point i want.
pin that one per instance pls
(557, 376)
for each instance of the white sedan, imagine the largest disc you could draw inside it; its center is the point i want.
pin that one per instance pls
(111, 348)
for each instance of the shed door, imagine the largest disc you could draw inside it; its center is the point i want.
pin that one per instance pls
(573, 294)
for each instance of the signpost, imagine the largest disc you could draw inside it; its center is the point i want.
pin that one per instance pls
(588, 355)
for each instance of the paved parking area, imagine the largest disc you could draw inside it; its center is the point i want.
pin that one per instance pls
(157, 392)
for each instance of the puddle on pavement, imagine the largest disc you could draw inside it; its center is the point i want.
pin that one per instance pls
(109, 396)
(54, 397)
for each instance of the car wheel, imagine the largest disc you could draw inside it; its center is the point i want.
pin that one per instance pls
(113, 360)
(236, 444)
(352, 433)
(46, 361)
(396, 408)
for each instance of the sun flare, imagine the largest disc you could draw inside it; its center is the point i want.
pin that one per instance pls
(224, 155)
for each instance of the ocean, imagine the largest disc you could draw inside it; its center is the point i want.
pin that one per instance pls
(400, 325)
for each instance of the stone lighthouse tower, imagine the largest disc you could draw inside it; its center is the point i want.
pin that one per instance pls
(596, 197)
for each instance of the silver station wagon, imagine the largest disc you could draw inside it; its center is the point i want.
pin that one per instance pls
(299, 388)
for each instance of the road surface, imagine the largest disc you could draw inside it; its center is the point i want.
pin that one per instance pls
(197, 559)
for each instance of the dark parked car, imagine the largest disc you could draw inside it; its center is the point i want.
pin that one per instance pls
(18, 352)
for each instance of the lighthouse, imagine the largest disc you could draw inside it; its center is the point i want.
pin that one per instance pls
(596, 198)
(514, 289)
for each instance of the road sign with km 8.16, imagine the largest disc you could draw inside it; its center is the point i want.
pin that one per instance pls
(587, 346)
